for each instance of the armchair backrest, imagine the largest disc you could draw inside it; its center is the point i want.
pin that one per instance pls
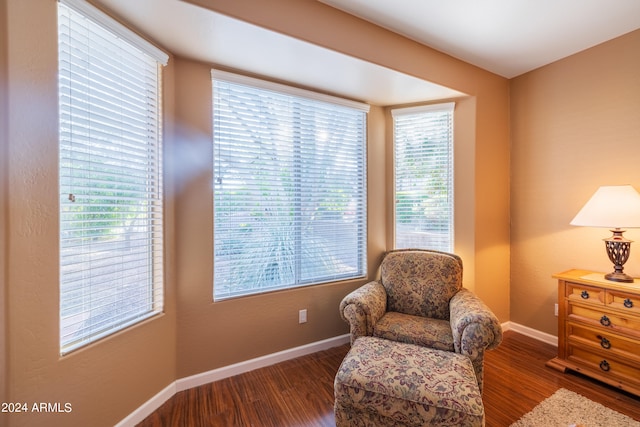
(421, 282)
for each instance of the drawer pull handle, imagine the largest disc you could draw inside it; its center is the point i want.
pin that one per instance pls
(605, 343)
(584, 295)
(628, 303)
(605, 321)
(604, 365)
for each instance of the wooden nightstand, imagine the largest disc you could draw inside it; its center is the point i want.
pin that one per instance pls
(599, 328)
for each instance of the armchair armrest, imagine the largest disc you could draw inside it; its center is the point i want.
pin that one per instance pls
(474, 326)
(363, 307)
(475, 329)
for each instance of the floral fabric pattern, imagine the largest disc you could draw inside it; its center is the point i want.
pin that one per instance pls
(469, 327)
(384, 383)
(421, 283)
(433, 333)
(363, 308)
(475, 329)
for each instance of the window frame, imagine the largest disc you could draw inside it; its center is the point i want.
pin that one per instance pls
(281, 90)
(98, 187)
(449, 239)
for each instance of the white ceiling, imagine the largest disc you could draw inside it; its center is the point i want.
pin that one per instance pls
(507, 37)
(196, 33)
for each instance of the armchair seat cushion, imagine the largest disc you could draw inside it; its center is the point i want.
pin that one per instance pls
(416, 330)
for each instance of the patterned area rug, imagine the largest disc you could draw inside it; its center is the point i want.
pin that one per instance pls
(566, 409)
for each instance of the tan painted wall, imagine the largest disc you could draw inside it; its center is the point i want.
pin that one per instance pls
(108, 380)
(4, 176)
(575, 126)
(211, 335)
(105, 381)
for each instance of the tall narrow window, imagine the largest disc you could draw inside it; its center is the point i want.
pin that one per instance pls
(110, 176)
(423, 148)
(290, 187)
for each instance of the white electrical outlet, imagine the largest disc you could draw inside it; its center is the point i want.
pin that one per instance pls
(302, 316)
(555, 309)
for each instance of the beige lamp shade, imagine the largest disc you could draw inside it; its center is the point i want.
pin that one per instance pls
(615, 206)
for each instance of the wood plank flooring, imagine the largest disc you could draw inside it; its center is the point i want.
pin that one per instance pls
(516, 380)
(299, 392)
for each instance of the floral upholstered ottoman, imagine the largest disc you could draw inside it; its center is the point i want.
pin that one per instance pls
(387, 383)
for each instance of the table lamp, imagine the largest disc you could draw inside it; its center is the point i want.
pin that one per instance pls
(615, 207)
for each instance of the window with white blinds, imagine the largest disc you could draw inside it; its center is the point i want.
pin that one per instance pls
(423, 150)
(289, 187)
(110, 176)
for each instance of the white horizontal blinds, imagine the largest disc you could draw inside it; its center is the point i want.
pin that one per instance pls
(423, 144)
(110, 179)
(289, 190)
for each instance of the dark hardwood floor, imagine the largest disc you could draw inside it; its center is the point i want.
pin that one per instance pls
(516, 380)
(299, 392)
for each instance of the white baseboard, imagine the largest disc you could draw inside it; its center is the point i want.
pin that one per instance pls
(259, 362)
(181, 384)
(270, 359)
(148, 407)
(530, 332)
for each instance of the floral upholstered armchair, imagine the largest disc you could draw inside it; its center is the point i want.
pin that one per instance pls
(419, 299)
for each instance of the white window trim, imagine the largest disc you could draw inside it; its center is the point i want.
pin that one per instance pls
(229, 77)
(99, 18)
(405, 111)
(446, 106)
(120, 30)
(289, 90)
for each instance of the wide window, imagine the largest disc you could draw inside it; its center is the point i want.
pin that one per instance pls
(110, 176)
(423, 151)
(289, 187)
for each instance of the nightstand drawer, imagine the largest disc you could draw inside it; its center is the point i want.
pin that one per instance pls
(584, 293)
(604, 365)
(624, 301)
(610, 320)
(604, 340)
